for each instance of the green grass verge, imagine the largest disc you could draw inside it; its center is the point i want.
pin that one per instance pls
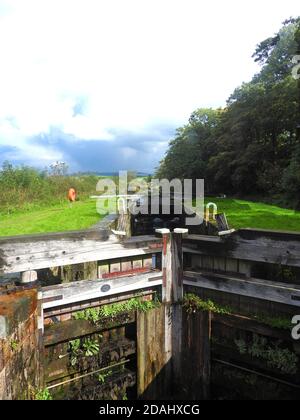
(60, 217)
(83, 214)
(248, 214)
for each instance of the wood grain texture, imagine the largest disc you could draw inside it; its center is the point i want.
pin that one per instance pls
(196, 355)
(153, 377)
(33, 253)
(250, 245)
(262, 289)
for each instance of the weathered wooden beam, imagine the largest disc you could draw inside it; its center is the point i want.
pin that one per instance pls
(112, 353)
(281, 248)
(70, 293)
(196, 355)
(255, 288)
(153, 373)
(38, 252)
(94, 303)
(124, 223)
(75, 328)
(172, 294)
(248, 324)
(28, 277)
(172, 265)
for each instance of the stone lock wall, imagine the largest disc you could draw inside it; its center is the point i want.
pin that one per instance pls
(19, 343)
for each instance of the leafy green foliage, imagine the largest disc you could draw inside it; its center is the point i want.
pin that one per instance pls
(22, 187)
(275, 322)
(75, 350)
(250, 147)
(43, 394)
(103, 376)
(276, 357)
(91, 348)
(241, 345)
(85, 347)
(14, 345)
(95, 315)
(193, 303)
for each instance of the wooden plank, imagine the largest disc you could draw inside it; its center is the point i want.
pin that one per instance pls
(177, 267)
(255, 288)
(167, 267)
(43, 252)
(59, 368)
(248, 324)
(172, 267)
(177, 345)
(250, 245)
(108, 222)
(74, 328)
(153, 377)
(124, 223)
(81, 291)
(172, 293)
(94, 303)
(196, 355)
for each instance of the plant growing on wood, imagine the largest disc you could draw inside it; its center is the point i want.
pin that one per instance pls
(85, 347)
(95, 315)
(274, 322)
(75, 350)
(282, 359)
(193, 303)
(90, 347)
(43, 394)
(103, 376)
(14, 345)
(241, 345)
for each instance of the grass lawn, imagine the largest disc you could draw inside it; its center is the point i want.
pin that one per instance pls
(61, 217)
(248, 214)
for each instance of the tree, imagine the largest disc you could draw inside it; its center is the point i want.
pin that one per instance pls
(248, 147)
(58, 169)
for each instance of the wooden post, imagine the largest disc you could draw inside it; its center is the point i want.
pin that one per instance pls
(196, 356)
(172, 265)
(124, 219)
(159, 332)
(172, 294)
(28, 277)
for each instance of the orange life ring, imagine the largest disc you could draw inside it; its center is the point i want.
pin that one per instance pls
(72, 195)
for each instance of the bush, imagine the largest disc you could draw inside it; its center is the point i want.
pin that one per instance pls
(24, 187)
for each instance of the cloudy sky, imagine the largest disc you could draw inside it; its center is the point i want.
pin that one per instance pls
(102, 84)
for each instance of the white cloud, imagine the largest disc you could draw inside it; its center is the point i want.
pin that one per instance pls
(136, 63)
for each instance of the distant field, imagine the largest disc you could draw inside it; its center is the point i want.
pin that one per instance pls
(248, 214)
(53, 219)
(240, 214)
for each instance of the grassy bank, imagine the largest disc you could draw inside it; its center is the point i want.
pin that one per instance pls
(83, 214)
(27, 189)
(249, 214)
(56, 218)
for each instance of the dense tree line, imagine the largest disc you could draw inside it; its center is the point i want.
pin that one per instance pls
(251, 147)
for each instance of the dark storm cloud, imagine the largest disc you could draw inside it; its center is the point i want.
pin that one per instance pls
(126, 151)
(10, 153)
